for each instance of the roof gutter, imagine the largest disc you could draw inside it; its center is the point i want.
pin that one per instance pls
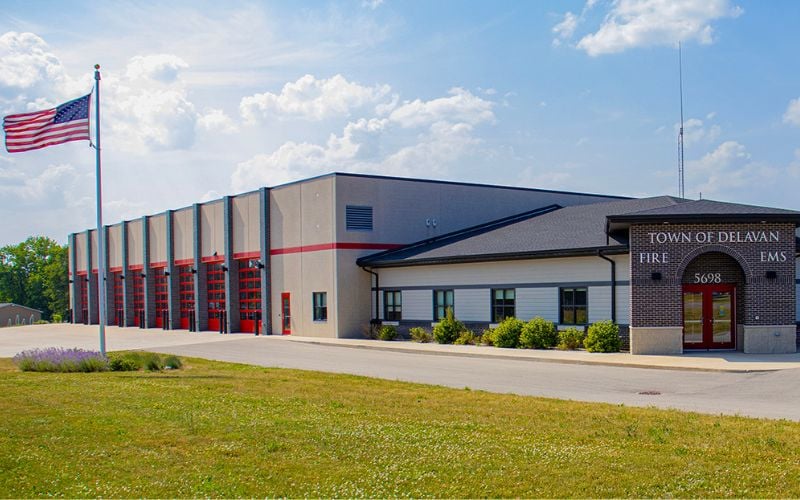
(613, 285)
(377, 291)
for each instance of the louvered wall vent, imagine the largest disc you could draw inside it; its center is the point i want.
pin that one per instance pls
(358, 218)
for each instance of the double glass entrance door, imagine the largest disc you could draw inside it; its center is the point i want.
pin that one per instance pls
(709, 321)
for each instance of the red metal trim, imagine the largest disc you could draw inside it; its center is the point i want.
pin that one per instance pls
(136, 267)
(184, 262)
(212, 259)
(335, 246)
(115, 269)
(156, 265)
(81, 273)
(247, 255)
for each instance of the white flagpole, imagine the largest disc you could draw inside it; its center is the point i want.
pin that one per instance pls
(101, 262)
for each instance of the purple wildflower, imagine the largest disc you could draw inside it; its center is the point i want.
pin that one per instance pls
(58, 359)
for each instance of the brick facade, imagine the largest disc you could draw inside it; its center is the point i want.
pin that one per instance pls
(743, 254)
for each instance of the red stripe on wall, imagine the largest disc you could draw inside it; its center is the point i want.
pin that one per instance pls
(246, 255)
(334, 246)
(115, 269)
(184, 262)
(136, 267)
(213, 259)
(156, 265)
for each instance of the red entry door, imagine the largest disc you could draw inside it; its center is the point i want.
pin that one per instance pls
(286, 314)
(709, 316)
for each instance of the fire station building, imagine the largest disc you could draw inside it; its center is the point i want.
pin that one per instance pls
(327, 256)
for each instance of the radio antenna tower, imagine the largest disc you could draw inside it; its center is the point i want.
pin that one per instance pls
(681, 192)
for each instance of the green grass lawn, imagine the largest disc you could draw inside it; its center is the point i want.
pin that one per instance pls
(224, 430)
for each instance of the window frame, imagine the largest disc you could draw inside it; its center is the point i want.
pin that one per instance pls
(452, 305)
(396, 314)
(574, 307)
(319, 311)
(503, 306)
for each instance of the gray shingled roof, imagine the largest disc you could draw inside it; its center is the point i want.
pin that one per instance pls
(572, 230)
(706, 209)
(7, 304)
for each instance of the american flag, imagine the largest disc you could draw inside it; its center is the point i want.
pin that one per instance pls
(28, 131)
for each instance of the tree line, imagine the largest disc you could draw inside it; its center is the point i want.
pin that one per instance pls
(34, 274)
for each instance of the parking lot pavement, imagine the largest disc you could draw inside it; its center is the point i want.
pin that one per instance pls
(16, 339)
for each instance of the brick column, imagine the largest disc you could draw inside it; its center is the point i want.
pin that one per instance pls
(149, 280)
(74, 284)
(173, 284)
(266, 289)
(232, 275)
(91, 287)
(127, 282)
(200, 277)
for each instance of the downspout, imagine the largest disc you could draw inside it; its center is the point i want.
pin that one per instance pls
(613, 285)
(377, 297)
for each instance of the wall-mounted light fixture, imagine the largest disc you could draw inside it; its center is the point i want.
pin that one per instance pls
(255, 263)
(70, 280)
(122, 276)
(194, 271)
(656, 276)
(166, 273)
(224, 268)
(143, 275)
(771, 275)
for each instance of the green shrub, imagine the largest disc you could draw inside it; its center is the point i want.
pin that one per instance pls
(603, 336)
(152, 362)
(123, 363)
(41, 322)
(507, 333)
(570, 339)
(487, 337)
(448, 329)
(173, 363)
(371, 331)
(421, 335)
(57, 318)
(467, 337)
(387, 332)
(538, 333)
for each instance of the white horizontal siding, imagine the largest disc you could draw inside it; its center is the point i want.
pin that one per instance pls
(564, 270)
(623, 305)
(532, 302)
(599, 303)
(472, 304)
(417, 305)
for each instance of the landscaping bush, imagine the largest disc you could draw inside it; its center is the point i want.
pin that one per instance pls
(41, 322)
(152, 362)
(173, 363)
(57, 359)
(570, 339)
(124, 363)
(507, 333)
(421, 335)
(467, 337)
(448, 329)
(57, 318)
(387, 332)
(538, 333)
(603, 336)
(487, 337)
(371, 331)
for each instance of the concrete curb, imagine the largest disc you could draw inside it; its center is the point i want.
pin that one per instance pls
(503, 355)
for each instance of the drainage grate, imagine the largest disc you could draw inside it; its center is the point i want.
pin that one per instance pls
(650, 393)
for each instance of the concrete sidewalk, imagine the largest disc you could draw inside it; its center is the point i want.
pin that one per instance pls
(724, 361)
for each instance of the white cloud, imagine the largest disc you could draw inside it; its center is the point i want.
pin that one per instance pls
(727, 169)
(371, 4)
(312, 99)
(565, 29)
(25, 60)
(159, 67)
(461, 106)
(695, 131)
(641, 23)
(792, 114)
(417, 138)
(215, 120)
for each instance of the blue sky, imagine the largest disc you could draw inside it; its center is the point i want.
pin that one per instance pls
(203, 99)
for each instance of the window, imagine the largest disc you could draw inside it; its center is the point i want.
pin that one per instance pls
(392, 305)
(358, 218)
(574, 306)
(442, 301)
(503, 304)
(320, 300)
